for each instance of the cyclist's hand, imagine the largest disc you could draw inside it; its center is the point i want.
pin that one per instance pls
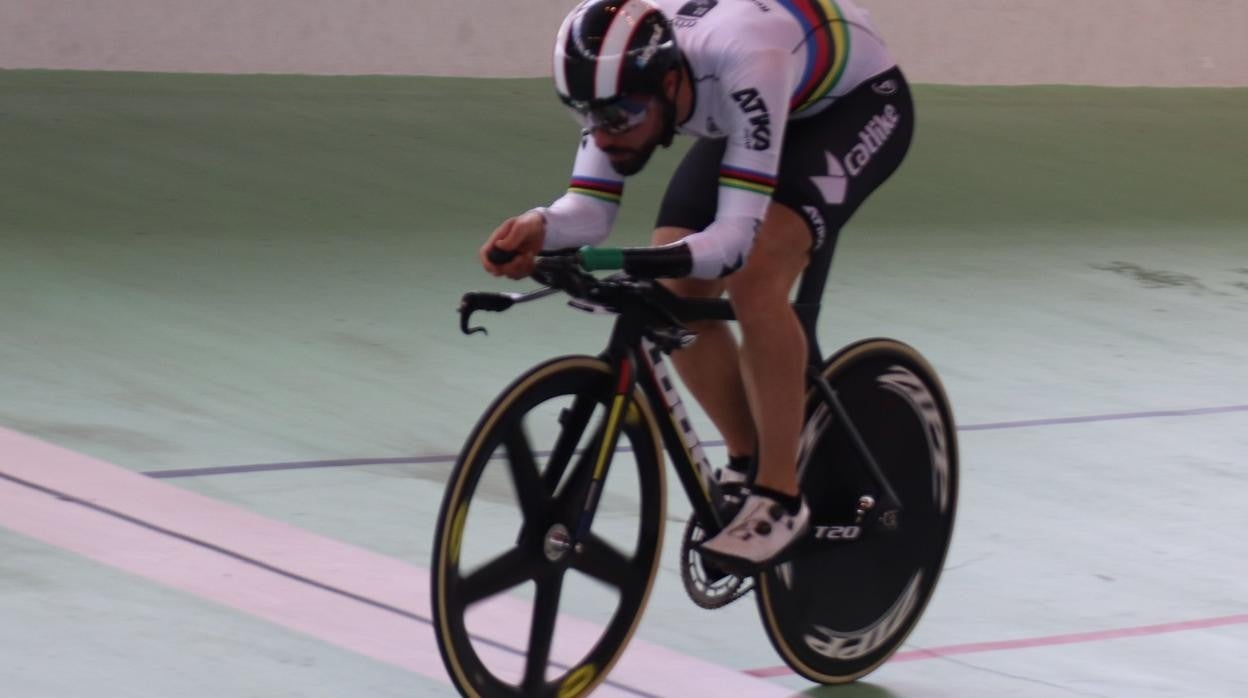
(523, 235)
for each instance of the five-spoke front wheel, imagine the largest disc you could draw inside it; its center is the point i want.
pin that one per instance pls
(509, 554)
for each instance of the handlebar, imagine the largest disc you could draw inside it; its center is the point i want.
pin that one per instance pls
(667, 261)
(499, 256)
(568, 271)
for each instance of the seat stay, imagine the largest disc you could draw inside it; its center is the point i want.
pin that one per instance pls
(828, 394)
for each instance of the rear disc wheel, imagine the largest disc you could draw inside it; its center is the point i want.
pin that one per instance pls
(858, 584)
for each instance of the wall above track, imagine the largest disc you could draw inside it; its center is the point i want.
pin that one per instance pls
(989, 42)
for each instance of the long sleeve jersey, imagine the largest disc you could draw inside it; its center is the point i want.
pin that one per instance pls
(755, 66)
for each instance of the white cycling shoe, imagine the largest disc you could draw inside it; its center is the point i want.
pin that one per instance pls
(758, 536)
(734, 486)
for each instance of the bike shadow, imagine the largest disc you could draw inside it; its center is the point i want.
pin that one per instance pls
(852, 690)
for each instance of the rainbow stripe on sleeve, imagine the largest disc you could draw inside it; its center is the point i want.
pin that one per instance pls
(749, 180)
(604, 189)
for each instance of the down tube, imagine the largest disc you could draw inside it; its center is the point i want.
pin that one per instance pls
(679, 438)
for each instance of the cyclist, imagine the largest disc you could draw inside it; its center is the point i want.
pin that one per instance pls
(800, 113)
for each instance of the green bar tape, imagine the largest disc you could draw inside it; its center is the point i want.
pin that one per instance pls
(601, 258)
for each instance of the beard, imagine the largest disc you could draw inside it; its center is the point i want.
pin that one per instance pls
(636, 158)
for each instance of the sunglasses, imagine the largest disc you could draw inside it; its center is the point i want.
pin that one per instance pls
(616, 117)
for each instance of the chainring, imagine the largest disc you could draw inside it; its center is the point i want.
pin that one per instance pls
(706, 585)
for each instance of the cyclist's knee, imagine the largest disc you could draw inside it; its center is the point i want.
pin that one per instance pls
(757, 302)
(779, 255)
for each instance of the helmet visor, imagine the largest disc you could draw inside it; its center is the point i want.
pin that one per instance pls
(615, 117)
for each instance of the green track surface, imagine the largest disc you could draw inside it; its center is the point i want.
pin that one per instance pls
(206, 270)
(202, 271)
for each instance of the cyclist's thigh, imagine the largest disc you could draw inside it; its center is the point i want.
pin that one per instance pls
(834, 160)
(779, 255)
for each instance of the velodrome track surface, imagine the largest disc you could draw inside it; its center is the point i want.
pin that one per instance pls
(244, 287)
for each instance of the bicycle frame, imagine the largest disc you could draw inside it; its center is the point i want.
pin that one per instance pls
(649, 323)
(828, 626)
(636, 360)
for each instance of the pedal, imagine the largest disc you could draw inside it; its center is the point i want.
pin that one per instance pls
(708, 586)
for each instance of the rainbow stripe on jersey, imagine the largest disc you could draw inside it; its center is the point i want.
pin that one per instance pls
(827, 49)
(749, 180)
(604, 189)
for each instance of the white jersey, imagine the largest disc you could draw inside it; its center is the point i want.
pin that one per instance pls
(756, 65)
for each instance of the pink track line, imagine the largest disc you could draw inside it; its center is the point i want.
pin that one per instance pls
(361, 601)
(1048, 641)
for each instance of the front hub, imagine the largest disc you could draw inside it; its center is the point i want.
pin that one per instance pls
(557, 543)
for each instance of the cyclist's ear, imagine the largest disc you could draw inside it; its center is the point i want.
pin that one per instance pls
(671, 81)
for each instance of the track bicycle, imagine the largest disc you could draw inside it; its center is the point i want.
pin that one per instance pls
(878, 465)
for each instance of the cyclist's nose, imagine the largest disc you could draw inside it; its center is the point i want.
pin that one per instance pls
(604, 140)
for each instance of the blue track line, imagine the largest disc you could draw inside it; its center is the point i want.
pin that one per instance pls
(450, 458)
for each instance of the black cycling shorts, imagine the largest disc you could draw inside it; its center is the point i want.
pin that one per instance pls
(829, 164)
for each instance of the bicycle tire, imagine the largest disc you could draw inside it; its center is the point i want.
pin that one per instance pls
(454, 591)
(842, 606)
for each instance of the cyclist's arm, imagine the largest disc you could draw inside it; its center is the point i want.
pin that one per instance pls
(585, 214)
(759, 83)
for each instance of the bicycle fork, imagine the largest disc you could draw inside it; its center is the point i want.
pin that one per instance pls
(616, 414)
(675, 431)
